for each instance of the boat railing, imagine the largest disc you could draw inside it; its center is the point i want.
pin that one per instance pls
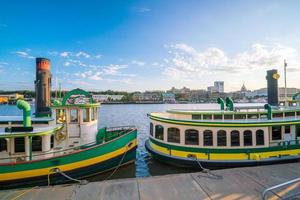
(284, 143)
(22, 158)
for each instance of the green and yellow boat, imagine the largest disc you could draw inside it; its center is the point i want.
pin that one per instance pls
(60, 143)
(231, 136)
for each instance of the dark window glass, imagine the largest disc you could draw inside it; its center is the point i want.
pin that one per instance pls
(37, 143)
(289, 114)
(298, 113)
(3, 144)
(208, 138)
(277, 115)
(151, 129)
(221, 138)
(228, 116)
(86, 115)
(260, 139)
(298, 130)
(207, 117)
(174, 135)
(218, 117)
(192, 137)
(252, 116)
(159, 132)
(19, 144)
(247, 138)
(287, 129)
(196, 117)
(240, 116)
(235, 138)
(52, 141)
(276, 133)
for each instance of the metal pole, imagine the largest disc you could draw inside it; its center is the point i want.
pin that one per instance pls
(285, 89)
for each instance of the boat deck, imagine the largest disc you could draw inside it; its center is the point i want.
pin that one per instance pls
(237, 183)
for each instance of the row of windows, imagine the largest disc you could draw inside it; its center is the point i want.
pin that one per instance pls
(241, 116)
(192, 136)
(20, 144)
(87, 115)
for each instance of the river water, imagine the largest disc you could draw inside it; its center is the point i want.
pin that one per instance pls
(132, 114)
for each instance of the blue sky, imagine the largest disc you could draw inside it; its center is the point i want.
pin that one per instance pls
(149, 45)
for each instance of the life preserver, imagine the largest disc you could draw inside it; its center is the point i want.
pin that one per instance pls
(60, 136)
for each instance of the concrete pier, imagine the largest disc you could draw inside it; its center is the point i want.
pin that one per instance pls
(238, 183)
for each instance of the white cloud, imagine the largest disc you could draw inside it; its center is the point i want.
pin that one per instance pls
(98, 56)
(67, 64)
(186, 61)
(23, 54)
(65, 54)
(141, 9)
(83, 54)
(137, 62)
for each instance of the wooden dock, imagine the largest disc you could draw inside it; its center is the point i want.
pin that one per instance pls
(238, 183)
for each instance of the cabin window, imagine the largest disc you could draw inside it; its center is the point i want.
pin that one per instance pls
(239, 116)
(207, 138)
(159, 132)
(207, 117)
(247, 138)
(192, 137)
(276, 133)
(260, 139)
(174, 135)
(228, 116)
(287, 129)
(218, 117)
(289, 114)
(19, 144)
(37, 143)
(298, 113)
(297, 130)
(52, 141)
(60, 115)
(86, 115)
(263, 116)
(74, 115)
(252, 116)
(196, 117)
(235, 138)
(221, 138)
(275, 115)
(151, 129)
(93, 114)
(3, 144)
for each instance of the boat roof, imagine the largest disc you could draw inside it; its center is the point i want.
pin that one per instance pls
(20, 119)
(37, 131)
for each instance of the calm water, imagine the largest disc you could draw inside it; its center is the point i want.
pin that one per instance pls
(130, 114)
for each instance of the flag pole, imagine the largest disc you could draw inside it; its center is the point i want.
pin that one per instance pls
(285, 89)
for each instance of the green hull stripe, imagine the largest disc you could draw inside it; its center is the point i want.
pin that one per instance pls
(225, 151)
(76, 157)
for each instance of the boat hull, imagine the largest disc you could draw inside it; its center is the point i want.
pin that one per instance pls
(214, 164)
(79, 165)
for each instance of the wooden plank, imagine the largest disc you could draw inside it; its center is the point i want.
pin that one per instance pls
(228, 184)
(175, 187)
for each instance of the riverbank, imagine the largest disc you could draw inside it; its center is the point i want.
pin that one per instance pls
(238, 183)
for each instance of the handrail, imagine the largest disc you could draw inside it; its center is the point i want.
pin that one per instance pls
(76, 148)
(279, 186)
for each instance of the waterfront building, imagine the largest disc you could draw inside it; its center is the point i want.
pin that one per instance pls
(168, 97)
(219, 85)
(107, 98)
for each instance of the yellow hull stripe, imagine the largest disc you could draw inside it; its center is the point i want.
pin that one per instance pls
(225, 156)
(67, 167)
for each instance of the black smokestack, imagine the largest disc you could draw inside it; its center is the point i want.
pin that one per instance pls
(42, 87)
(272, 80)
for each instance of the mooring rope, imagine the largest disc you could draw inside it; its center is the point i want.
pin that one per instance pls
(57, 170)
(120, 163)
(205, 170)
